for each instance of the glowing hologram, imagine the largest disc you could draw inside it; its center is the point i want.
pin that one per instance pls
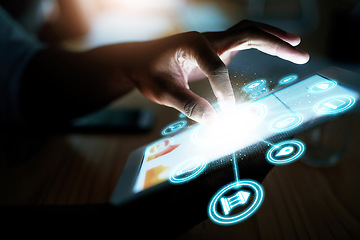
(174, 127)
(187, 171)
(322, 86)
(286, 122)
(285, 152)
(225, 129)
(259, 93)
(334, 105)
(241, 197)
(181, 115)
(236, 171)
(254, 86)
(288, 79)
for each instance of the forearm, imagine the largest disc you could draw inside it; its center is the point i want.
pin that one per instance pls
(59, 85)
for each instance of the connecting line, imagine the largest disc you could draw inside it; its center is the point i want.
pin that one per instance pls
(236, 170)
(267, 142)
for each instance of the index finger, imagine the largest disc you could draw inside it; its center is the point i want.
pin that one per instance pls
(290, 38)
(216, 71)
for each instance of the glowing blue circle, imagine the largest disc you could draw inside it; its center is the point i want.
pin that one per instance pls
(259, 93)
(255, 86)
(228, 220)
(288, 79)
(173, 127)
(334, 105)
(280, 161)
(276, 125)
(181, 115)
(187, 171)
(322, 86)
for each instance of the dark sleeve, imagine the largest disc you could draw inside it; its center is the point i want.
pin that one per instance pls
(16, 48)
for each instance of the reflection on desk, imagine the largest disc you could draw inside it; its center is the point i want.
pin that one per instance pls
(303, 201)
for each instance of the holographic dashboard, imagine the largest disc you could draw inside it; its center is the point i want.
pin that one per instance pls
(185, 151)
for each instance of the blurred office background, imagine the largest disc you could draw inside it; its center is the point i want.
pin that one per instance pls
(329, 28)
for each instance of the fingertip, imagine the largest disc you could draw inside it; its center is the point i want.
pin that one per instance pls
(302, 58)
(204, 115)
(292, 39)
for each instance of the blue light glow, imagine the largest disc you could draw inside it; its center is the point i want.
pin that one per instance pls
(254, 86)
(220, 198)
(226, 129)
(285, 152)
(236, 171)
(187, 171)
(174, 127)
(181, 115)
(259, 93)
(286, 122)
(288, 79)
(322, 86)
(334, 105)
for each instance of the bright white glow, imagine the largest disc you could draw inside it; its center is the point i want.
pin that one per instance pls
(229, 130)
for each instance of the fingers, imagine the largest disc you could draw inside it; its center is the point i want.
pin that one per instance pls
(190, 104)
(266, 38)
(290, 38)
(196, 48)
(216, 71)
(253, 37)
(272, 45)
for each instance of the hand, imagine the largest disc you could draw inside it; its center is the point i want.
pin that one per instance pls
(75, 83)
(165, 68)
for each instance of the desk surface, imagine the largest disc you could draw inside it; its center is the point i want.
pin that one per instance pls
(301, 201)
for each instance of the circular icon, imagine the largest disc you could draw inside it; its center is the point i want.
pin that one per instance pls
(187, 171)
(173, 127)
(334, 105)
(286, 122)
(288, 79)
(285, 152)
(221, 204)
(159, 146)
(255, 86)
(322, 86)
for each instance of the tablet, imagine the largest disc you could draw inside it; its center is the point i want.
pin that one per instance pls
(184, 152)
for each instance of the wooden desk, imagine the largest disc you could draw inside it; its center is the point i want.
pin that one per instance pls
(301, 201)
(304, 201)
(71, 168)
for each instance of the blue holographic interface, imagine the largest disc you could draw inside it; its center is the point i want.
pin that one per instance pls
(285, 110)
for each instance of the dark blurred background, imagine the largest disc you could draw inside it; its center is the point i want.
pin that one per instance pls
(329, 28)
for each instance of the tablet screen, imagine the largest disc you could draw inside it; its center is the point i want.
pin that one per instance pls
(288, 109)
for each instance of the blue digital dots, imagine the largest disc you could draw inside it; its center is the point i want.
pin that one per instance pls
(222, 215)
(187, 171)
(334, 105)
(288, 79)
(285, 152)
(286, 122)
(174, 127)
(322, 86)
